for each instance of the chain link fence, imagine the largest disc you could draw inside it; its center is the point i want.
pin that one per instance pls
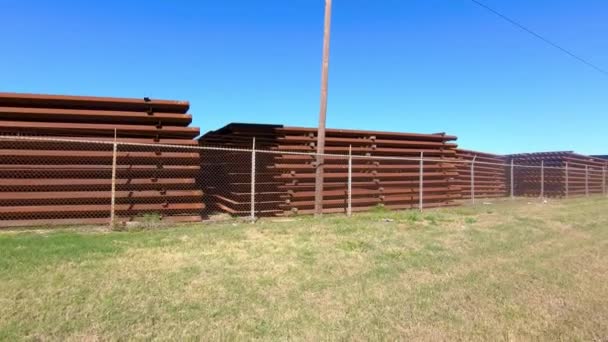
(47, 180)
(54, 181)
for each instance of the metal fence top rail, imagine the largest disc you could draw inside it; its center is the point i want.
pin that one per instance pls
(249, 150)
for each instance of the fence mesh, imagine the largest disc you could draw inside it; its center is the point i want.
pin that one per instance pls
(54, 182)
(58, 181)
(158, 181)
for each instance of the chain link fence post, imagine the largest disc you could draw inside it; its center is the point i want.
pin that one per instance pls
(542, 179)
(604, 180)
(473, 180)
(349, 209)
(421, 183)
(587, 180)
(113, 182)
(252, 214)
(567, 180)
(512, 181)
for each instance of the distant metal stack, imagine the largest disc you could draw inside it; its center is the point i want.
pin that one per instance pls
(44, 182)
(564, 174)
(287, 184)
(491, 177)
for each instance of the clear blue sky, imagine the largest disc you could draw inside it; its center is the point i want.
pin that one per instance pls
(401, 65)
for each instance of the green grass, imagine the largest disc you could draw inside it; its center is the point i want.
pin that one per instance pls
(512, 270)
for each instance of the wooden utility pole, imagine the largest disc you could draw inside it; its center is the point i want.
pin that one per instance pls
(322, 113)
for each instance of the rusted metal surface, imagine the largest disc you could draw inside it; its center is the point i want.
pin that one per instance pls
(583, 174)
(92, 102)
(288, 180)
(353, 133)
(44, 182)
(100, 116)
(97, 129)
(161, 170)
(491, 175)
(389, 183)
(89, 143)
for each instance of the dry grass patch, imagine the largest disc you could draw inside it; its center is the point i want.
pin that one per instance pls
(513, 270)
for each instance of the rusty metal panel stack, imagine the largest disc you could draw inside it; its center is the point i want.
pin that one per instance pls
(383, 176)
(46, 182)
(564, 174)
(227, 173)
(385, 169)
(490, 174)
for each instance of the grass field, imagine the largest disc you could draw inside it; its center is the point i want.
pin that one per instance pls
(512, 270)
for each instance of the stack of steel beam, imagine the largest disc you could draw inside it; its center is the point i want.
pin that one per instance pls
(385, 169)
(490, 176)
(227, 173)
(46, 182)
(558, 174)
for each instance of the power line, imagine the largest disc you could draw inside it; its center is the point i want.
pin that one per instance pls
(537, 35)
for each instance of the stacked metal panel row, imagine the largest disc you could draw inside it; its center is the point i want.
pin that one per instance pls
(44, 182)
(490, 176)
(227, 172)
(564, 174)
(389, 180)
(287, 180)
